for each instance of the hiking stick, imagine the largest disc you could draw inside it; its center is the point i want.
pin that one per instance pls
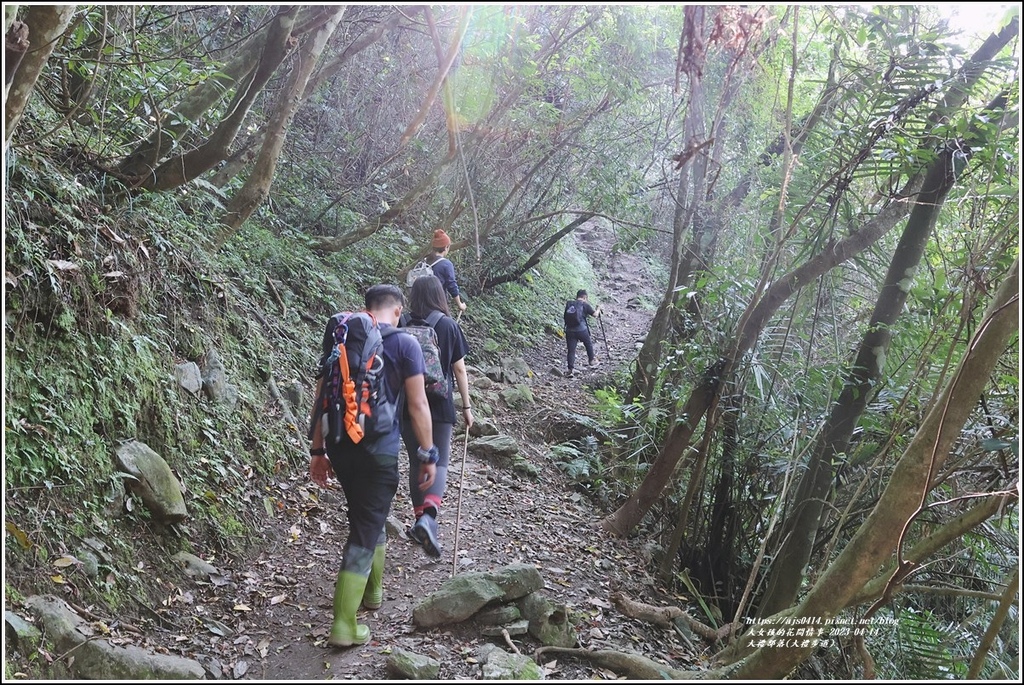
(458, 508)
(607, 352)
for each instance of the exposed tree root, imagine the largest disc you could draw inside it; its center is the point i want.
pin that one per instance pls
(633, 666)
(667, 616)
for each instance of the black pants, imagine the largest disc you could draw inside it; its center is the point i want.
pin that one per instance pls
(572, 338)
(370, 482)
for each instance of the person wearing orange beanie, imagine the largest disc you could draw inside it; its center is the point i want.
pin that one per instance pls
(443, 267)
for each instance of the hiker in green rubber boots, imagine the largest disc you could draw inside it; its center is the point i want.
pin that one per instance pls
(368, 469)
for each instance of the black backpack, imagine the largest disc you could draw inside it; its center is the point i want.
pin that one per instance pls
(353, 401)
(575, 316)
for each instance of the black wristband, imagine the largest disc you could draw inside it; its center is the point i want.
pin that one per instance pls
(319, 451)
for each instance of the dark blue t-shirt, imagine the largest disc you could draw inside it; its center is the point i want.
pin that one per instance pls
(445, 271)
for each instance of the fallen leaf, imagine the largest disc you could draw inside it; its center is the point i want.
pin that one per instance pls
(242, 607)
(64, 562)
(19, 535)
(240, 669)
(62, 264)
(278, 599)
(216, 627)
(59, 579)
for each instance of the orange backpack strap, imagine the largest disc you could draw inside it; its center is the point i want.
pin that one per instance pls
(348, 391)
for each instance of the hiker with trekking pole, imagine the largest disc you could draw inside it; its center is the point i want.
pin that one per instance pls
(428, 306)
(577, 330)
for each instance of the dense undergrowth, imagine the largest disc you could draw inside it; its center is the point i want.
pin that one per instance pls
(106, 291)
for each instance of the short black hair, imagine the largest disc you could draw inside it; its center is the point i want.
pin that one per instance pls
(383, 295)
(581, 293)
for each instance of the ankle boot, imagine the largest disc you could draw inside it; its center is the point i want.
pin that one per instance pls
(348, 593)
(373, 597)
(426, 529)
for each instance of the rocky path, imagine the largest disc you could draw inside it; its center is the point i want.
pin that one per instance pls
(274, 613)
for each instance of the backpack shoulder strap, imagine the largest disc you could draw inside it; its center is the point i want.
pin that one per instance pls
(434, 317)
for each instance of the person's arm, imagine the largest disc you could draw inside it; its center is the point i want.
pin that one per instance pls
(597, 312)
(462, 378)
(458, 301)
(419, 413)
(319, 464)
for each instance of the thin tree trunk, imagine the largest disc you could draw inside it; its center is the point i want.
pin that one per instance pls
(1005, 602)
(882, 532)
(143, 161)
(863, 377)
(183, 168)
(46, 24)
(257, 186)
(627, 516)
(538, 253)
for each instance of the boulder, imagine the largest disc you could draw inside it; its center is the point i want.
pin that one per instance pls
(151, 478)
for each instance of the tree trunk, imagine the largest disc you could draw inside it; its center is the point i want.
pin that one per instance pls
(183, 168)
(143, 161)
(801, 526)
(16, 44)
(881, 534)
(46, 24)
(257, 185)
(646, 371)
(538, 253)
(627, 516)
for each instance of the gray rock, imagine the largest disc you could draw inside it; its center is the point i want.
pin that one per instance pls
(95, 657)
(214, 375)
(189, 377)
(498, 615)
(151, 478)
(482, 382)
(519, 627)
(456, 600)
(295, 394)
(516, 369)
(482, 428)
(518, 396)
(497, 664)
(21, 633)
(90, 563)
(500, 448)
(412, 666)
(516, 580)
(393, 527)
(549, 623)
(193, 565)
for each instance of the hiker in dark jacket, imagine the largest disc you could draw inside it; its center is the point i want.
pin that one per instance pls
(443, 267)
(428, 296)
(577, 330)
(368, 473)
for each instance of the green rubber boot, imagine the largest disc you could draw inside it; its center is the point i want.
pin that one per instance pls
(373, 597)
(348, 593)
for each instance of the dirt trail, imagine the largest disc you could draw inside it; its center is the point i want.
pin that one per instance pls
(504, 519)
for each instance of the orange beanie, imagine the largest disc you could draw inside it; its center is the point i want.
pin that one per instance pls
(441, 239)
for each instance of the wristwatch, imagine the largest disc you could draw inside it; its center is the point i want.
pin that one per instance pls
(428, 456)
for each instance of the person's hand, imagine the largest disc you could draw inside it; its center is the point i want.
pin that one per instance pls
(428, 472)
(467, 414)
(462, 306)
(319, 469)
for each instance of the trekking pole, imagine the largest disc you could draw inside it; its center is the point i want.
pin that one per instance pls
(458, 508)
(607, 351)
